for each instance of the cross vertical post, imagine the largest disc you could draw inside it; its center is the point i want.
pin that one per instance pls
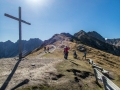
(20, 42)
(20, 29)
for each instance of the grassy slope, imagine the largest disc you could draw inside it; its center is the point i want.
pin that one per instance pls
(68, 67)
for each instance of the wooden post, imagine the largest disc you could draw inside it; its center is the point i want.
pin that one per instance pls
(92, 62)
(104, 82)
(20, 42)
(95, 75)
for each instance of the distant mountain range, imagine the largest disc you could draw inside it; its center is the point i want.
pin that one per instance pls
(10, 49)
(115, 42)
(93, 39)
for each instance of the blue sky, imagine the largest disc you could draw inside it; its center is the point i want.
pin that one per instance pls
(48, 17)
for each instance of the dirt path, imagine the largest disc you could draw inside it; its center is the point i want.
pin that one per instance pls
(33, 69)
(43, 53)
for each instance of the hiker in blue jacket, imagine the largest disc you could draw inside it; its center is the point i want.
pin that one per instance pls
(84, 56)
(75, 55)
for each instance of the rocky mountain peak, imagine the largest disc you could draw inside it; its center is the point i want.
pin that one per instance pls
(66, 34)
(80, 33)
(8, 42)
(96, 35)
(95, 40)
(57, 37)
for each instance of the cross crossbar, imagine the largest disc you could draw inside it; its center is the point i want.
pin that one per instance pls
(16, 18)
(20, 26)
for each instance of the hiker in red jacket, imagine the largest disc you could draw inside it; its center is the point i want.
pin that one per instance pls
(66, 52)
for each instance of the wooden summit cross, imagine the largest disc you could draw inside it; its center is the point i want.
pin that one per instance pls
(20, 20)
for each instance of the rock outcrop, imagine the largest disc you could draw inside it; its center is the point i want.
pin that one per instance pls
(96, 35)
(115, 42)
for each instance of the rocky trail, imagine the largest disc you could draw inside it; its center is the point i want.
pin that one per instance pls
(32, 69)
(50, 69)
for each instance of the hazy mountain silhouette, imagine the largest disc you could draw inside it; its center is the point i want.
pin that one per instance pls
(115, 42)
(10, 49)
(93, 39)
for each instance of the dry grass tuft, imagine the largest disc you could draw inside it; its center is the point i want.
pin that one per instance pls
(74, 69)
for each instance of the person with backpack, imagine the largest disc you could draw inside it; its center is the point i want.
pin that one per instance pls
(66, 52)
(75, 54)
(84, 56)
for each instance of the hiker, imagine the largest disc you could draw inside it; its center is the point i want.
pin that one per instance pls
(66, 52)
(45, 49)
(48, 50)
(75, 55)
(84, 56)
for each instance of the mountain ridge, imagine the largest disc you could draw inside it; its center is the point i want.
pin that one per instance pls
(10, 49)
(115, 42)
(97, 43)
(96, 35)
(91, 38)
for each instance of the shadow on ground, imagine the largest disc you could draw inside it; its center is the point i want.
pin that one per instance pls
(5, 84)
(82, 74)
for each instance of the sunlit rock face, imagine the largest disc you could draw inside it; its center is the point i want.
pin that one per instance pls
(115, 42)
(58, 37)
